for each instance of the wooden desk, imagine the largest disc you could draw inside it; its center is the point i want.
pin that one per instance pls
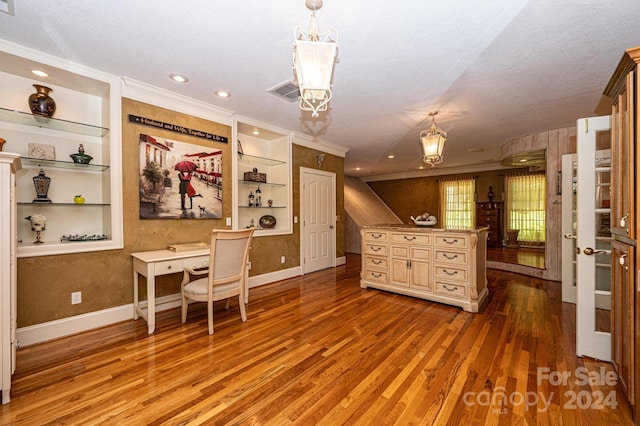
(160, 262)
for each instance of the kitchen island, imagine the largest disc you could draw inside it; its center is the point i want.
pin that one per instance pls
(442, 265)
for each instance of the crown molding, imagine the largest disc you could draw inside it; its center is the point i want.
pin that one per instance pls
(315, 143)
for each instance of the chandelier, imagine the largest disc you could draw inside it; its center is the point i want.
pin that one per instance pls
(432, 141)
(314, 55)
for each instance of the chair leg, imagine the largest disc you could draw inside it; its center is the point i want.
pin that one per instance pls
(243, 310)
(185, 307)
(210, 316)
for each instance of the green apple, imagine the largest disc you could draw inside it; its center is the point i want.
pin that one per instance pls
(78, 199)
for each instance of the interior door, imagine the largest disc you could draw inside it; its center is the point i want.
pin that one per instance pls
(318, 219)
(593, 238)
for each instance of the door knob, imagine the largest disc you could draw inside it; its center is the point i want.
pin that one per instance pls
(570, 237)
(589, 251)
(330, 226)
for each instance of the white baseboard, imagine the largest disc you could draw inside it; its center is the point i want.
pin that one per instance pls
(341, 260)
(43, 332)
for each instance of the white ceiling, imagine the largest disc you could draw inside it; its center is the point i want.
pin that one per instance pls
(495, 70)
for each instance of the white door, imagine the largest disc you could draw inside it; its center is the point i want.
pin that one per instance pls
(317, 207)
(593, 269)
(569, 188)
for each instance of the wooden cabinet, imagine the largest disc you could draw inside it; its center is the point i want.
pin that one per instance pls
(489, 214)
(410, 256)
(9, 165)
(262, 185)
(434, 264)
(88, 114)
(622, 318)
(623, 88)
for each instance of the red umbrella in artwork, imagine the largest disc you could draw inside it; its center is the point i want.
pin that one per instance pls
(185, 166)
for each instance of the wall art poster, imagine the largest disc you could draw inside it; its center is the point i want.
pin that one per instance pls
(179, 180)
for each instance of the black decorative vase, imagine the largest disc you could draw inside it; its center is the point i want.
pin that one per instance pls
(41, 182)
(41, 103)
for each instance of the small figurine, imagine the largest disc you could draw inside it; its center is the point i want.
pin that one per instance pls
(258, 197)
(251, 199)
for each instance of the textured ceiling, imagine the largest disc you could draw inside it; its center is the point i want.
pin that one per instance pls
(495, 70)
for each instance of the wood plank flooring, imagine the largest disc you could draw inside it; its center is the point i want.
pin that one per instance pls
(319, 349)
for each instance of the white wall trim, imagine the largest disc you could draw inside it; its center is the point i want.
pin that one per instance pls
(143, 92)
(320, 145)
(342, 260)
(272, 277)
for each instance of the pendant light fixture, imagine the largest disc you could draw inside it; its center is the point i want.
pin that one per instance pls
(432, 141)
(314, 55)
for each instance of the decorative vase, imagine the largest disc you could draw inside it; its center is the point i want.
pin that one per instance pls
(41, 182)
(267, 221)
(490, 195)
(81, 157)
(41, 103)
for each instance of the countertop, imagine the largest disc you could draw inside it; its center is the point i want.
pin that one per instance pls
(415, 228)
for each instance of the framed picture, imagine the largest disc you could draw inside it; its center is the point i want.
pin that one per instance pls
(179, 180)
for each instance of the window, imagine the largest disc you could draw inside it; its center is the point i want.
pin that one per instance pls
(526, 206)
(457, 198)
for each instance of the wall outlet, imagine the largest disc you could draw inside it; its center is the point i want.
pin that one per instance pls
(282, 259)
(76, 297)
(248, 266)
(228, 221)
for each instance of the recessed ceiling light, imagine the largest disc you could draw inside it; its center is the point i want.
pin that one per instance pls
(391, 156)
(178, 78)
(421, 167)
(256, 132)
(40, 73)
(357, 168)
(523, 160)
(223, 94)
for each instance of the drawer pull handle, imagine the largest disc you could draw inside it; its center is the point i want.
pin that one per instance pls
(409, 239)
(376, 262)
(455, 256)
(450, 273)
(450, 242)
(376, 236)
(376, 275)
(449, 289)
(375, 248)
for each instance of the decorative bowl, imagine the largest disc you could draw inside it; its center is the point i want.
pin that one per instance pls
(424, 222)
(267, 221)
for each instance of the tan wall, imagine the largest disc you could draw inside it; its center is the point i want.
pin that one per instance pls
(411, 197)
(105, 278)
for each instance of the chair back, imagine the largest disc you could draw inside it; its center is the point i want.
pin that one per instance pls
(229, 254)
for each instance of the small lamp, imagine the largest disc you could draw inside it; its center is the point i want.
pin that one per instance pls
(432, 141)
(314, 55)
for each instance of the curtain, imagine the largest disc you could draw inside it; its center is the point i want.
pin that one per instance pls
(457, 202)
(526, 205)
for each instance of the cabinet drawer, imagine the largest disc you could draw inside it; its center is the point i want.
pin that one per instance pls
(452, 290)
(376, 262)
(403, 237)
(450, 256)
(195, 262)
(377, 249)
(451, 240)
(168, 267)
(376, 236)
(451, 273)
(375, 276)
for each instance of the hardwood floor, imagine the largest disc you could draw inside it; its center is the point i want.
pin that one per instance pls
(533, 257)
(319, 349)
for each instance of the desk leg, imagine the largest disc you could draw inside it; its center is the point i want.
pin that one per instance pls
(135, 294)
(151, 302)
(246, 286)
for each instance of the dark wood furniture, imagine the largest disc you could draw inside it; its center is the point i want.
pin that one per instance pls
(490, 214)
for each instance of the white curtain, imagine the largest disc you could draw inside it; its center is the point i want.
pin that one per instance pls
(457, 202)
(526, 205)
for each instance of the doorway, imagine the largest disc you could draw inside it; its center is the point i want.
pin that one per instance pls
(317, 210)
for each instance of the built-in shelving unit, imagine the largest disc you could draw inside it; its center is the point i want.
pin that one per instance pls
(263, 153)
(88, 113)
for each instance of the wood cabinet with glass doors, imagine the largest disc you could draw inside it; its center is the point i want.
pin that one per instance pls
(623, 88)
(83, 203)
(262, 185)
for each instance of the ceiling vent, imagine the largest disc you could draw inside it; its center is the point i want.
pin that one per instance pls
(287, 91)
(6, 6)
